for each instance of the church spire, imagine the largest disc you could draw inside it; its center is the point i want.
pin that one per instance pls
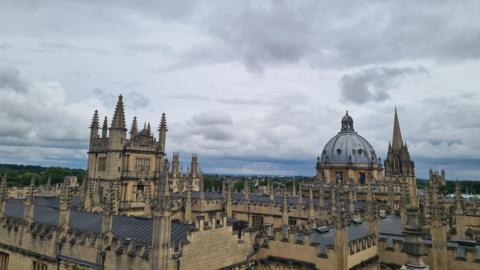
(118, 121)
(397, 142)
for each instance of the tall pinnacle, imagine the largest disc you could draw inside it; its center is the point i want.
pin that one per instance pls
(397, 142)
(134, 129)
(162, 132)
(94, 124)
(118, 121)
(105, 127)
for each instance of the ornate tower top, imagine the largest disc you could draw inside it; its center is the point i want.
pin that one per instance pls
(118, 121)
(347, 123)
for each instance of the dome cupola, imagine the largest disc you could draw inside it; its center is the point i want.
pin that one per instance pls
(348, 147)
(347, 123)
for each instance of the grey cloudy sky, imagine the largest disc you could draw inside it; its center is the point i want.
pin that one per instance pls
(252, 86)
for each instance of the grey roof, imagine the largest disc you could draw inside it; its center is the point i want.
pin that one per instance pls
(326, 240)
(133, 228)
(391, 225)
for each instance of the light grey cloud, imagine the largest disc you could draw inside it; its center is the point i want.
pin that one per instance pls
(5, 45)
(132, 99)
(38, 124)
(374, 84)
(270, 71)
(10, 79)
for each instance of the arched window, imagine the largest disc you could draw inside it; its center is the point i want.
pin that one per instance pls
(396, 164)
(339, 151)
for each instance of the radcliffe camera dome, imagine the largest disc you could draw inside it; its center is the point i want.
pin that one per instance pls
(347, 147)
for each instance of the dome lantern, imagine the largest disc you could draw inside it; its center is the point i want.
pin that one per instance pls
(347, 123)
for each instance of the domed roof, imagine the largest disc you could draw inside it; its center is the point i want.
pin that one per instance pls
(348, 147)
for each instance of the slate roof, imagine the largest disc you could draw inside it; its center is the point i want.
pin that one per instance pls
(263, 198)
(326, 240)
(132, 228)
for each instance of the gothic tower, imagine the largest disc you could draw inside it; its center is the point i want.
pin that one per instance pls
(398, 164)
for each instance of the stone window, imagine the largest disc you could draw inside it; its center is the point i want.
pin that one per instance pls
(339, 151)
(102, 164)
(361, 178)
(359, 151)
(3, 261)
(142, 165)
(38, 265)
(338, 177)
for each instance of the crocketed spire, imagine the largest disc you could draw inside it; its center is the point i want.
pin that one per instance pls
(134, 129)
(118, 121)
(95, 124)
(397, 142)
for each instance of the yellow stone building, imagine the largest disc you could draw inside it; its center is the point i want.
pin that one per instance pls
(136, 210)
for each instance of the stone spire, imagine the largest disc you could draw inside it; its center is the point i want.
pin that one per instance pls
(64, 209)
(370, 212)
(228, 206)
(398, 161)
(351, 202)
(105, 128)
(300, 196)
(188, 201)
(397, 142)
(321, 197)
(458, 199)
(118, 121)
(341, 235)
(246, 189)
(294, 188)
(438, 230)
(106, 236)
(162, 223)
(29, 202)
(49, 183)
(134, 129)
(391, 201)
(3, 194)
(404, 203)
(162, 133)
(285, 208)
(94, 125)
(311, 205)
(414, 246)
(201, 184)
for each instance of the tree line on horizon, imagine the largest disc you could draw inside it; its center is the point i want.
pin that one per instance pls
(20, 175)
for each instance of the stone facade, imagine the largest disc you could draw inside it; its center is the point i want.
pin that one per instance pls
(325, 225)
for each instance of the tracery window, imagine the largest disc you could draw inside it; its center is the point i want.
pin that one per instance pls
(142, 165)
